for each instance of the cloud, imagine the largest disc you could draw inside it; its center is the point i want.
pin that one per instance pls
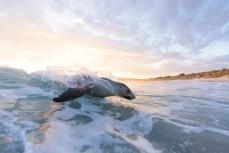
(148, 37)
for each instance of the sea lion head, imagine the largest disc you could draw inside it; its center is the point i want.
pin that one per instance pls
(125, 92)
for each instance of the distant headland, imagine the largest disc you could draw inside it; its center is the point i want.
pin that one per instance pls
(211, 76)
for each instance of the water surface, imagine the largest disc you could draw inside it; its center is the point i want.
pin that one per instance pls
(167, 117)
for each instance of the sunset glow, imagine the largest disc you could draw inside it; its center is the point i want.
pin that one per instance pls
(140, 39)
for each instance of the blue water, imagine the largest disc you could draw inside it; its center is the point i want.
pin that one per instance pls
(167, 117)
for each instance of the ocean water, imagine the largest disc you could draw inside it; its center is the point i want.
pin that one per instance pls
(166, 117)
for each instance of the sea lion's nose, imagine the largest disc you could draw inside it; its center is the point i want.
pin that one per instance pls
(133, 97)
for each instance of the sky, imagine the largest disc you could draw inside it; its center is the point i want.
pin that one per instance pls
(129, 38)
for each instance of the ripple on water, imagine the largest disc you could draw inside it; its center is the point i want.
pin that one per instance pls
(168, 137)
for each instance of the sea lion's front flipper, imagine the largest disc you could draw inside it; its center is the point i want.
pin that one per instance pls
(73, 93)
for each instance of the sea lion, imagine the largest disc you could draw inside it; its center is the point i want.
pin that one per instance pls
(100, 88)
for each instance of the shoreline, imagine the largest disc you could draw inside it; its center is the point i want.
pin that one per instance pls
(207, 76)
(218, 79)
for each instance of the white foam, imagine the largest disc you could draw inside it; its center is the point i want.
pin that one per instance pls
(140, 142)
(186, 128)
(217, 130)
(198, 129)
(63, 136)
(16, 127)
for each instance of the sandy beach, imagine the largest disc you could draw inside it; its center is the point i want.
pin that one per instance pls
(219, 79)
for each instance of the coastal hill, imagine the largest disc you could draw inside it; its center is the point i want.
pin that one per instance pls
(198, 76)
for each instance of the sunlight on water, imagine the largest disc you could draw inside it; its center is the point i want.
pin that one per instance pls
(176, 116)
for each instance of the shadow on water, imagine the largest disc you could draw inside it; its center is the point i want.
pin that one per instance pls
(114, 110)
(118, 112)
(75, 105)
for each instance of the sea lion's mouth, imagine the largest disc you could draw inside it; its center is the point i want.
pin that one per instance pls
(128, 97)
